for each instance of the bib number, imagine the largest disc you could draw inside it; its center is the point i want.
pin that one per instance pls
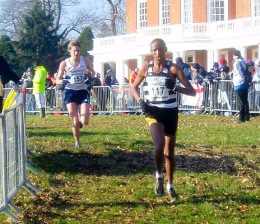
(159, 91)
(77, 79)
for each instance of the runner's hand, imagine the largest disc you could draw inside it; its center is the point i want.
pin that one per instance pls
(144, 106)
(88, 83)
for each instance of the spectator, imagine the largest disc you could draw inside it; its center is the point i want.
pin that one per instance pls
(114, 80)
(241, 86)
(195, 71)
(222, 63)
(99, 94)
(256, 81)
(133, 75)
(251, 89)
(225, 97)
(215, 72)
(185, 68)
(50, 91)
(126, 81)
(39, 81)
(27, 81)
(225, 73)
(202, 75)
(6, 75)
(108, 78)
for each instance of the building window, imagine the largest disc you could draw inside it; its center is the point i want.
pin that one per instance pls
(189, 59)
(165, 12)
(142, 22)
(187, 11)
(256, 8)
(217, 10)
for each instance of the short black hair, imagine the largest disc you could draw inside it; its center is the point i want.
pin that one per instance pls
(159, 40)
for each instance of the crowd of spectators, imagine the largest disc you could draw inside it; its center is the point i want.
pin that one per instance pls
(221, 92)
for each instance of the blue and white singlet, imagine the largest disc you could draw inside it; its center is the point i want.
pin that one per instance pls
(156, 88)
(76, 75)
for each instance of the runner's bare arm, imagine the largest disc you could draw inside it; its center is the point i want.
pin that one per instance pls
(60, 72)
(139, 79)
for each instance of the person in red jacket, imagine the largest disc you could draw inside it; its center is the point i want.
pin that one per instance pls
(133, 76)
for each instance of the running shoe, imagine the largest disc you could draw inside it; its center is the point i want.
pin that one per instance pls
(80, 125)
(172, 194)
(159, 190)
(77, 145)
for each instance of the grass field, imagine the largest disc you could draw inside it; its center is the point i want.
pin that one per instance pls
(111, 178)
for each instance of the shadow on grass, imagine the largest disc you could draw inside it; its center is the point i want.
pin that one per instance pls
(246, 199)
(49, 214)
(123, 162)
(68, 133)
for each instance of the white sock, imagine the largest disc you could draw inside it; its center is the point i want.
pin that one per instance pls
(159, 175)
(169, 186)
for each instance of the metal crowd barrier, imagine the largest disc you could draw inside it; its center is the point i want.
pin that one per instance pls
(216, 97)
(13, 160)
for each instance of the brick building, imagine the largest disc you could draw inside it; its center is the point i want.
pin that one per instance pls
(201, 31)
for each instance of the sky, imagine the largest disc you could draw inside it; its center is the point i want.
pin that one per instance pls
(96, 5)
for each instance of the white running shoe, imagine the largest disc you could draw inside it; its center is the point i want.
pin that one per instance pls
(77, 145)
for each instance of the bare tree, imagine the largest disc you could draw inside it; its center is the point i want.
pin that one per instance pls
(114, 15)
(104, 17)
(13, 12)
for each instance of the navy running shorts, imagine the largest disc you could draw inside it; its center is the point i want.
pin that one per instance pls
(76, 96)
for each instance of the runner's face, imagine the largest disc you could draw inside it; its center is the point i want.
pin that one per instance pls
(158, 51)
(75, 51)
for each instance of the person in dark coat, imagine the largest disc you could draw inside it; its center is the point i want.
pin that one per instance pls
(6, 75)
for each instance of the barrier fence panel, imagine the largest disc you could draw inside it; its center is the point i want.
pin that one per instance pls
(217, 96)
(13, 161)
(223, 98)
(101, 100)
(124, 101)
(191, 104)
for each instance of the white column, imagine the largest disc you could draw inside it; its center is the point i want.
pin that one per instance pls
(175, 55)
(210, 59)
(182, 54)
(125, 68)
(216, 57)
(258, 52)
(120, 71)
(243, 51)
(99, 68)
(140, 61)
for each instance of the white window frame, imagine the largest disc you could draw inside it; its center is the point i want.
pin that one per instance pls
(164, 12)
(255, 8)
(225, 11)
(186, 11)
(141, 18)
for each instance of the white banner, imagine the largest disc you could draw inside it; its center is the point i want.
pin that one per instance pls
(194, 101)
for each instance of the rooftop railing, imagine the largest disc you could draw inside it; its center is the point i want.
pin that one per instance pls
(194, 31)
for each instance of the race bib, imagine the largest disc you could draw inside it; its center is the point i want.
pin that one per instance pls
(77, 79)
(158, 92)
